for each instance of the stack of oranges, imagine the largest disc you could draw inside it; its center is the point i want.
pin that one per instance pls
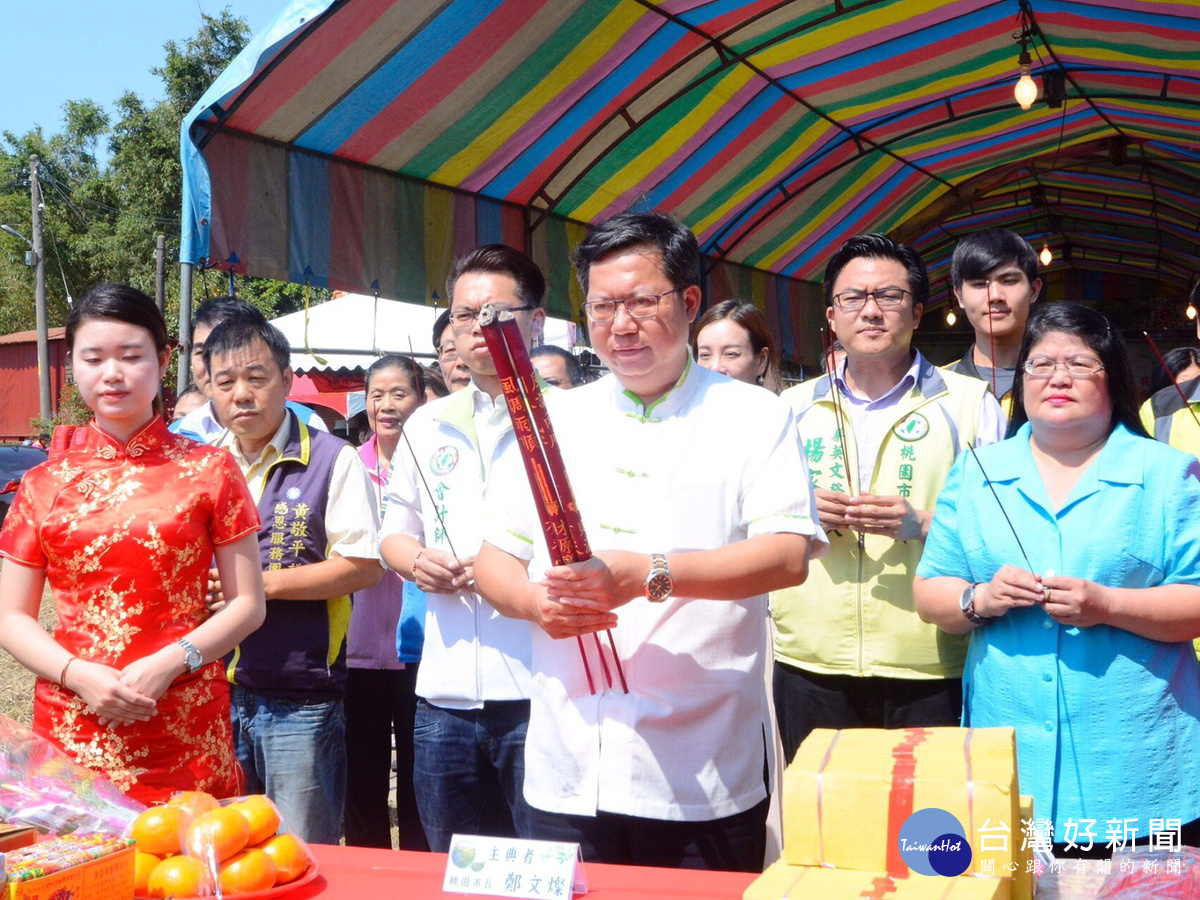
(192, 841)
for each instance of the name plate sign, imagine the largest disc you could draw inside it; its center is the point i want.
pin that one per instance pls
(507, 867)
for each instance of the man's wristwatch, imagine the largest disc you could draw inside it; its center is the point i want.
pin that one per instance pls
(967, 602)
(191, 656)
(658, 582)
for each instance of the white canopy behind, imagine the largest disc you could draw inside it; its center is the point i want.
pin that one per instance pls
(350, 331)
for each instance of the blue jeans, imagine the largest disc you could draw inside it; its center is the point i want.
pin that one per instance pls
(295, 753)
(469, 771)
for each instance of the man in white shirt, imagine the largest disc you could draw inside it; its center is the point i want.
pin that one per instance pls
(695, 496)
(203, 422)
(318, 544)
(454, 371)
(473, 684)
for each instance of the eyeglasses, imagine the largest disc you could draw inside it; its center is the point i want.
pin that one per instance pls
(638, 307)
(885, 298)
(463, 318)
(1076, 367)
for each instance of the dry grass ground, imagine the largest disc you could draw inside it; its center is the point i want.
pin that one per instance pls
(16, 682)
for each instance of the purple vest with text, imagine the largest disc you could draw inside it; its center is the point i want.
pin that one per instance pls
(300, 649)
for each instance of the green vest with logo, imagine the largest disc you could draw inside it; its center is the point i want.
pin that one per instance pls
(855, 615)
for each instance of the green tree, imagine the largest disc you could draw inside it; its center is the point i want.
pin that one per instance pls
(102, 214)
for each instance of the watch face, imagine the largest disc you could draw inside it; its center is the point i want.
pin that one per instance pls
(658, 588)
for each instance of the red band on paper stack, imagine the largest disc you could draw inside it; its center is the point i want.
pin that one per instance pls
(900, 802)
(879, 889)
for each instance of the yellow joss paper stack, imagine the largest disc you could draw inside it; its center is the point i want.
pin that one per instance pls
(847, 794)
(804, 882)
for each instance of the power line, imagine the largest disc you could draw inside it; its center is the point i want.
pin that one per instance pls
(96, 204)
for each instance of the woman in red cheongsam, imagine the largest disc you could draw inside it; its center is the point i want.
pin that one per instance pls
(124, 525)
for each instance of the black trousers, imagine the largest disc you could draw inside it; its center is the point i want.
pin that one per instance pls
(735, 843)
(380, 705)
(807, 700)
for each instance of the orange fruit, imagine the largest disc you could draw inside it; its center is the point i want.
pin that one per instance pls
(177, 876)
(261, 814)
(219, 833)
(158, 828)
(251, 870)
(289, 857)
(143, 865)
(195, 803)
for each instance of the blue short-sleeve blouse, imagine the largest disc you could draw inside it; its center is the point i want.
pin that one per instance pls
(1108, 722)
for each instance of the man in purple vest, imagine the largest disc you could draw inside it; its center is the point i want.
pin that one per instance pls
(319, 543)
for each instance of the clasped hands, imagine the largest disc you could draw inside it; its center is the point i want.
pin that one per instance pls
(1068, 601)
(579, 598)
(438, 572)
(891, 516)
(124, 696)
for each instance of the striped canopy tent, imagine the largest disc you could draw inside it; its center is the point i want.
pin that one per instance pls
(360, 144)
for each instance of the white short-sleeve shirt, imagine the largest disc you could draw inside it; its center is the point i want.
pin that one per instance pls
(472, 654)
(713, 462)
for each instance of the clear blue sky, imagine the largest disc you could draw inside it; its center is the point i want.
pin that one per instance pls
(52, 51)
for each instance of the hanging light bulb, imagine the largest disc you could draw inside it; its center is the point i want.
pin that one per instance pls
(951, 318)
(1026, 88)
(1190, 312)
(1046, 256)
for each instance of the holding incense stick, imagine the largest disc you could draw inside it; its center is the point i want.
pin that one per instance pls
(696, 502)
(561, 523)
(474, 680)
(1089, 591)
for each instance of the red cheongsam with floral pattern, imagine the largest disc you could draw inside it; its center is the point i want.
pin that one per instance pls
(125, 534)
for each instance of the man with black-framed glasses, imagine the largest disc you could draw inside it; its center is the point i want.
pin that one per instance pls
(474, 681)
(694, 494)
(881, 433)
(456, 375)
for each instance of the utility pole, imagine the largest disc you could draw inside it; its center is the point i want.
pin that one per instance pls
(39, 294)
(160, 272)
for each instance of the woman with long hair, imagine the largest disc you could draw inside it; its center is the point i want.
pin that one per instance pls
(734, 339)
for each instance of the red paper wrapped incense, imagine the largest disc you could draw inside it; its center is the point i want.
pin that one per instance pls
(561, 523)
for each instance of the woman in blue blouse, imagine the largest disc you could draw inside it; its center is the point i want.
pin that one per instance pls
(1082, 605)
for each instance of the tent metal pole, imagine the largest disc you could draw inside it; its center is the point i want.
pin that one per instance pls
(184, 376)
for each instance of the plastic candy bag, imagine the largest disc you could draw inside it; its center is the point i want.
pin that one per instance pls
(40, 785)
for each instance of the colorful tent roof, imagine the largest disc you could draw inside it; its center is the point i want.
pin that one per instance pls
(359, 144)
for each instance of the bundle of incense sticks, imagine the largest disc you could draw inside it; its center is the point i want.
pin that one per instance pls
(561, 522)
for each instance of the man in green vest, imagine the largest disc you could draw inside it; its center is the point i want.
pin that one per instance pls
(881, 432)
(996, 283)
(1166, 416)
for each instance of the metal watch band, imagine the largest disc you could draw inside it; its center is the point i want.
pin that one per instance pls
(967, 602)
(192, 658)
